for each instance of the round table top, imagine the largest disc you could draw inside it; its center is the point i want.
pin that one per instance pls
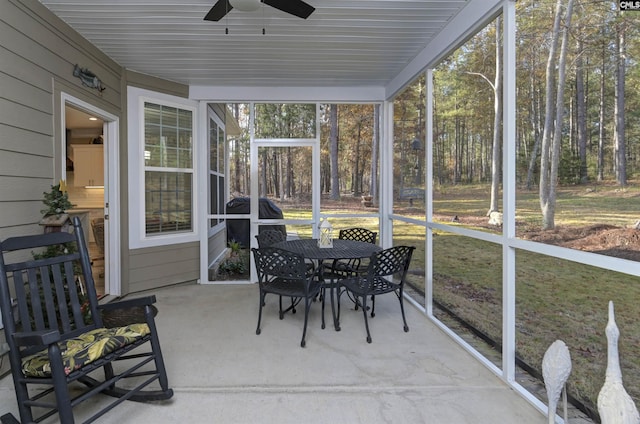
(342, 249)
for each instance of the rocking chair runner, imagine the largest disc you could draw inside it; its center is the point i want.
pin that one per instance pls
(57, 338)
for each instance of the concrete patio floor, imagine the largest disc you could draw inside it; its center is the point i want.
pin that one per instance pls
(222, 372)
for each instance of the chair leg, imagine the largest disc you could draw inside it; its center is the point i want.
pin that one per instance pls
(322, 291)
(262, 296)
(307, 305)
(337, 315)
(373, 306)
(22, 395)
(58, 376)
(157, 355)
(364, 313)
(404, 319)
(336, 321)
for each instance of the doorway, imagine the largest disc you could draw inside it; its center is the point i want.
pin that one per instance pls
(89, 162)
(250, 162)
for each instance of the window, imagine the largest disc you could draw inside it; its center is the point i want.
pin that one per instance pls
(168, 160)
(162, 168)
(217, 168)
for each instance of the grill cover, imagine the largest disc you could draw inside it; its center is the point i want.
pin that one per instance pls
(238, 229)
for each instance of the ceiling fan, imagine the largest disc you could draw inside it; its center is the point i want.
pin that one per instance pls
(294, 7)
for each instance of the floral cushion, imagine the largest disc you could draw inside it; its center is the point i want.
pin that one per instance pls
(84, 349)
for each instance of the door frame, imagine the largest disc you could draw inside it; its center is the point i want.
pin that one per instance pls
(111, 204)
(253, 217)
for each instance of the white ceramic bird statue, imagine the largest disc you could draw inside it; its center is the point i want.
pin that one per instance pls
(615, 406)
(556, 367)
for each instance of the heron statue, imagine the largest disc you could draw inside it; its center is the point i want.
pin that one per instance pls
(615, 406)
(556, 367)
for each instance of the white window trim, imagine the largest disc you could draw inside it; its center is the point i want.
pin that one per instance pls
(136, 97)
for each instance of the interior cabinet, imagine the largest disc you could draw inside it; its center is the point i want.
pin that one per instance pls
(88, 164)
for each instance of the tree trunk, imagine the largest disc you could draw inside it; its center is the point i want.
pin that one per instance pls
(535, 124)
(333, 152)
(356, 168)
(496, 158)
(552, 134)
(374, 153)
(290, 185)
(263, 175)
(620, 149)
(581, 111)
(557, 134)
(601, 115)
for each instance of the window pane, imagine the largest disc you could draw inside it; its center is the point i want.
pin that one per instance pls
(168, 137)
(285, 177)
(285, 120)
(585, 197)
(467, 290)
(238, 151)
(152, 114)
(184, 119)
(408, 147)
(152, 148)
(408, 234)
(214, 206)
(349, 139)
(168, 202)
(213, 145)
(221, 151)
(467, 145)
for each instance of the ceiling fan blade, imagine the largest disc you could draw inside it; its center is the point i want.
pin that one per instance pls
(218, 11)
(293, 7)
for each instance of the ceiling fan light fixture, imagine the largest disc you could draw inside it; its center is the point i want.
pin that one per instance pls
(245, 5)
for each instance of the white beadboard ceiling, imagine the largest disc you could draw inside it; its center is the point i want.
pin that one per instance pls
(344, 43)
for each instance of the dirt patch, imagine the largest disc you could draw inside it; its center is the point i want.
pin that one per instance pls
(599, 238)
(610, 240)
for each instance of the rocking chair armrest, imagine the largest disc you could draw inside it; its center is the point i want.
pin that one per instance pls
(128, 303)
(37, 338)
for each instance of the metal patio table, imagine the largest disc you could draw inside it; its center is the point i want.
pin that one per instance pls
(342, 249)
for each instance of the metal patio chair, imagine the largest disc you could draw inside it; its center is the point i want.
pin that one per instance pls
(284, 274)
(343, 268)
(386, 273)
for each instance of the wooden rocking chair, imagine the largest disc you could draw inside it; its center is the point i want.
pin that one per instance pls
(56, 336)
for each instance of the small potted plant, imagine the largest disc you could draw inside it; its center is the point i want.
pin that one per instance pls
(57, 203)
(56, 220)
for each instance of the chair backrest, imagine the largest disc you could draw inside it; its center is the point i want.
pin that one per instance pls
(272, 263)
(49, 276)
(268, 237)
(391, 262)
(358, 234)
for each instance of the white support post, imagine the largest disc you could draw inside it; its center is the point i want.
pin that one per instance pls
(386, 175)
(428, 260)
(509, 191)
